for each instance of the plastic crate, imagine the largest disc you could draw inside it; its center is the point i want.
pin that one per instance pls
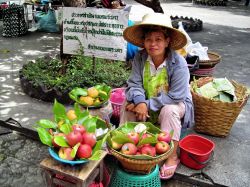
(123, 179)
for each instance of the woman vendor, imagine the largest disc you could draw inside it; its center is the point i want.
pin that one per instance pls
(158, 87)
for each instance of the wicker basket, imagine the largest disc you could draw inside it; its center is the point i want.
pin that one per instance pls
(142, 166)
(214, 59)
(214, 117)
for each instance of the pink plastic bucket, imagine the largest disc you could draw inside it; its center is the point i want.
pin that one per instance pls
(117, 98)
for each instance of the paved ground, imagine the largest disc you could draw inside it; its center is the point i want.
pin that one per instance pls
(226, 31)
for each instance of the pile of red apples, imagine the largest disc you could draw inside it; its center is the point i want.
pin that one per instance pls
(78, 139)
(151, 149)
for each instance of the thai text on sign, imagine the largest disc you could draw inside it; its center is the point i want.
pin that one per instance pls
(98, 31)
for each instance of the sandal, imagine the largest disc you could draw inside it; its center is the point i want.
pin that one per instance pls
(165, 167)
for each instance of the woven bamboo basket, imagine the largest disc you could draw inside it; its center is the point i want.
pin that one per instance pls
(214, 59)
(214, 117)
(142, 166)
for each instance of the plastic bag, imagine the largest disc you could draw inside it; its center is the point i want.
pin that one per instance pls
(183, 50)
(47, 22)
(192, 49)
(181, 28)
(197, 49)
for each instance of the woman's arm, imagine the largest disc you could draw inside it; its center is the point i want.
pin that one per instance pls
(135, 92)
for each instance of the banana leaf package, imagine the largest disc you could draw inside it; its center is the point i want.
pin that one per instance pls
(218, 89)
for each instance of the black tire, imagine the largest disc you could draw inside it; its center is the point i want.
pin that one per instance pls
(211, 2)
(189, 24)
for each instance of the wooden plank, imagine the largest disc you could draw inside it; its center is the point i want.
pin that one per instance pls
(78, 172)
(92, 177)
(91, 166)
(62, 182)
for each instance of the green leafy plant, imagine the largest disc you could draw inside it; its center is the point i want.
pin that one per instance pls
(79, 71)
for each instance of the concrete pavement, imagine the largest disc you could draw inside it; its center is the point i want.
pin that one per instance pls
(226, 31)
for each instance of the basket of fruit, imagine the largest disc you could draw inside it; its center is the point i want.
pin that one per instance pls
(139, 147)
(74, 136)
(93, 97)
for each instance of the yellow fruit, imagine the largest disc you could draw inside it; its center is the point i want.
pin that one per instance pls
(97, 101)
(71, 115)
(93, 92)
(87, 100)
(60, 123)
(103, 92)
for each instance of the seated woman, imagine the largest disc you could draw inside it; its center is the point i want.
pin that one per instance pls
(158, 87)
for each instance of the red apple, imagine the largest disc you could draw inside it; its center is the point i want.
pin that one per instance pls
(115, 145)
(78, 128)
(129, 149)
(146, 136)
(64, 153)
(141, 146)
(138, 153)
(53, 141)
(164, 136)
(162, 147)
(73, 138)
(134, 136)
(84, 151)
(148, 150)
(89, 138)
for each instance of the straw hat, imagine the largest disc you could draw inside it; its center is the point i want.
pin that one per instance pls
(134, 34)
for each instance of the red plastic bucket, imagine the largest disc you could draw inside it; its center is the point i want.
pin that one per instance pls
(196, 151)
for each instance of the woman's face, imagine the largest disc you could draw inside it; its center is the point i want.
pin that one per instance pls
(155, 43)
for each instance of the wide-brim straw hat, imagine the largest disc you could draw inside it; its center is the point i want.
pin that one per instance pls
(135, 34)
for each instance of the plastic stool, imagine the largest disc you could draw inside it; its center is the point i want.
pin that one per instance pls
(121, 178)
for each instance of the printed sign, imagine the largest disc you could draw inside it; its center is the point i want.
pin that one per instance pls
(96, 32)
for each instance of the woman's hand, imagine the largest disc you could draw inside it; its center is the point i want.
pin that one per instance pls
(141, 112)
(130, 107)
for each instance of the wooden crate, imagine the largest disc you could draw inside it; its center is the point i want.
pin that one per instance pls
(58, 174)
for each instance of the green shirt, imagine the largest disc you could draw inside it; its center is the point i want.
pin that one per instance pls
(154, 84)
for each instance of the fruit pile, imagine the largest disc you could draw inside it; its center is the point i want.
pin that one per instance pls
(72, 134)
(140, 140)
(91, 97)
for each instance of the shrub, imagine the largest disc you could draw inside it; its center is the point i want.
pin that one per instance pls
(80, 71)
